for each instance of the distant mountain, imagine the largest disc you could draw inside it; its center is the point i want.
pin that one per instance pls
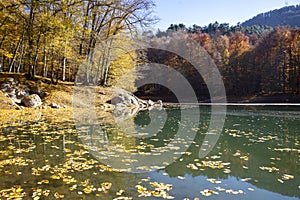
(286, 16)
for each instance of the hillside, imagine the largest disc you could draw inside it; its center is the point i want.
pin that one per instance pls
(286, 16)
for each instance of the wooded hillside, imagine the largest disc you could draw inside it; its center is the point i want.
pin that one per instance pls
(286, 16)
(253, 60)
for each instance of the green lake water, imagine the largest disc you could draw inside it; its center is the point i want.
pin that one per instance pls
(256, 155)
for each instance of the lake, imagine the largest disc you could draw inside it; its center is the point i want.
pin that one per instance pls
(181, 153)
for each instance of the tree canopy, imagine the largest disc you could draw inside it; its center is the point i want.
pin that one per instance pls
(53, 38)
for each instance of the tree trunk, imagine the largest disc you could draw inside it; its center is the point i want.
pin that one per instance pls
(21, 59)
(64, 69)
(30, 41)
(15, 52)
(52, 66)
(45, 67)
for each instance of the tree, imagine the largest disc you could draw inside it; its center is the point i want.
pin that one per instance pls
(53, 38)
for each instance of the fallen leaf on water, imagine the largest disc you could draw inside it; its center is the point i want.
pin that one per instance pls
(192, 166)
(269, 169)
(214, 181)
(279, 180)
(58, 196)
(287, 177)
(208, 192)
(106, 185)
(120, 192)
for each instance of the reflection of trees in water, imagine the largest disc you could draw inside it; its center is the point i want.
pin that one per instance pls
(54, 144)
(259, 153)
(164, 134)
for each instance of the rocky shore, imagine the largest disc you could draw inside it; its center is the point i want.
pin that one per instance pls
(20, 95)
(16, 92)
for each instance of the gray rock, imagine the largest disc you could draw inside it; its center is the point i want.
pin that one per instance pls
(4, 87)
(150, 103)
(123, 98)
(54, 105)
(9, 80)
(11, 92)
(32, 101)
(16, 100)
(118, 100)
(20, 93)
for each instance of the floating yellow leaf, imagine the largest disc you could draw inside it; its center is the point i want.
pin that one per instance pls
(279, 180)
(106, 185)
(55, 177)
(58, 196)
(120, 192)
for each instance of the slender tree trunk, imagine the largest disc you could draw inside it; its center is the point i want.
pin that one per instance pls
(30, 41)
(99, 69)
(69, 73)
(16, 50)
(36, 67)
(21, 59)
(2, 40)
(64, 69)
(52, 66)
(3, 63)
(45, 67)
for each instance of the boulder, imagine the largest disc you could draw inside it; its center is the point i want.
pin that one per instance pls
(11, 92)
(32, 101)
(150, 103)
(4, 87)
(123, 98)
(16, 100)
(9, 80)
(21, 93)
(37, 90)
(54, 105)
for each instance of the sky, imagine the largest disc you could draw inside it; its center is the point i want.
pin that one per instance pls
(202, 12)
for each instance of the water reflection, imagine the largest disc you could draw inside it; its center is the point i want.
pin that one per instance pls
(261, 145)
(256, 149)
(251, 139)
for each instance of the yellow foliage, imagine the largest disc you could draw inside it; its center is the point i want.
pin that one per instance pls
(123, 65)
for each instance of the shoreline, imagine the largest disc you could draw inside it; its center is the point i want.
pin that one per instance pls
(62, 94)
(231, 104)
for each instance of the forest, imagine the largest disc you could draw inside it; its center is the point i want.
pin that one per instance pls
(286, 16)
(54, 38)
(255, 60)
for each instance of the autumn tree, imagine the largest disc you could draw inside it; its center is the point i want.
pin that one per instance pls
(53, 38)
